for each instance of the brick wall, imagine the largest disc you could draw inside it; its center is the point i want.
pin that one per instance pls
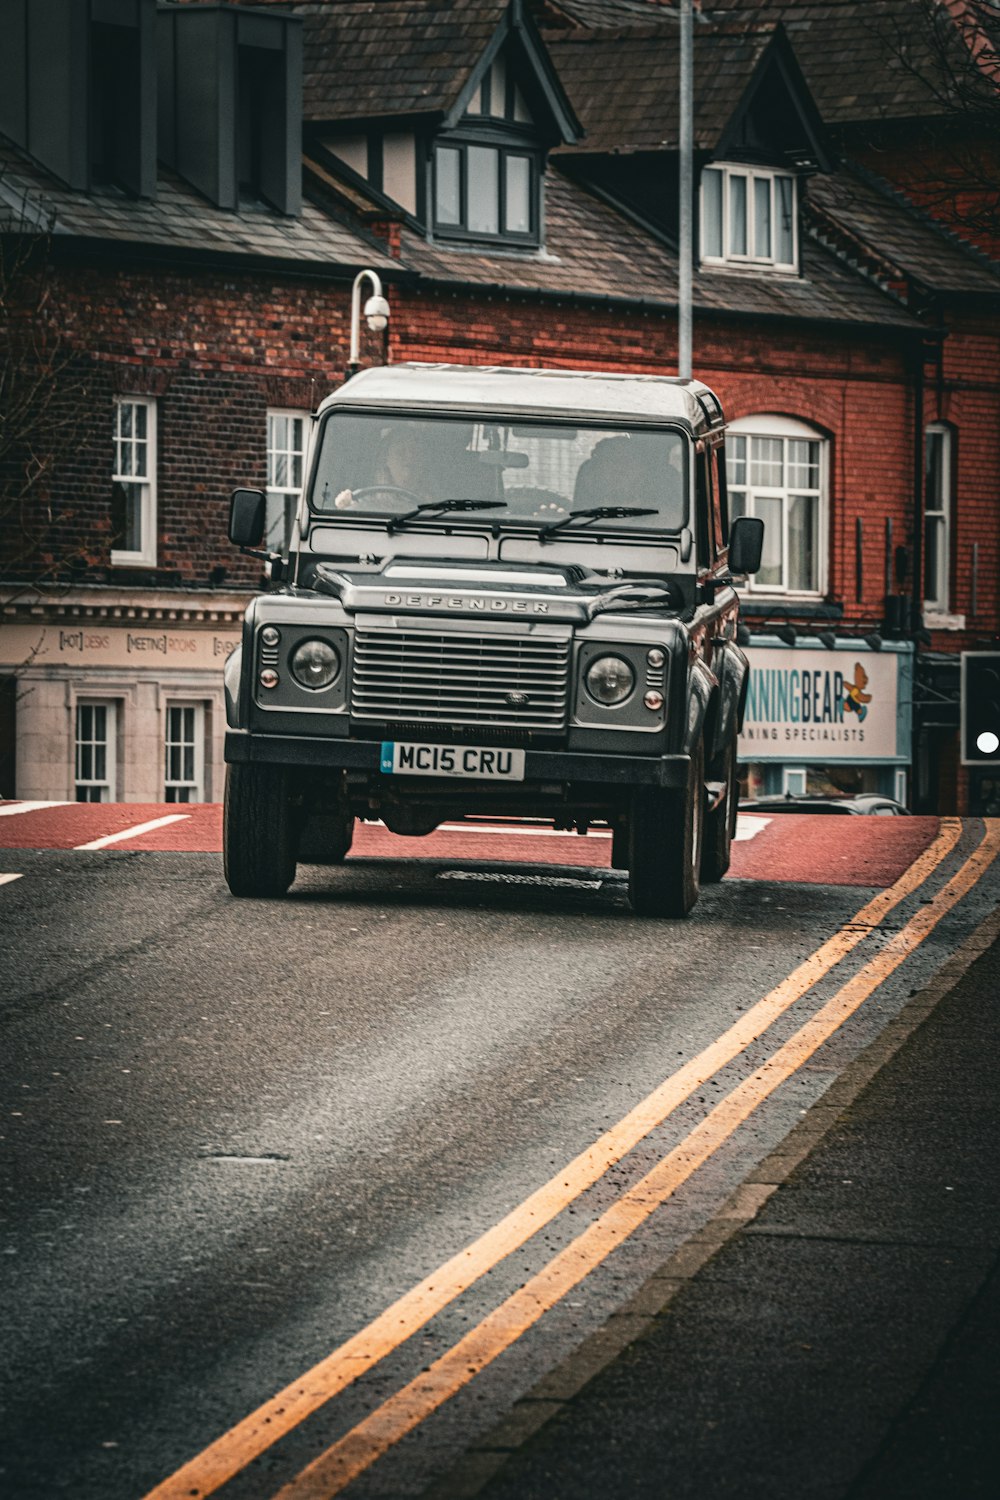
(217, 348)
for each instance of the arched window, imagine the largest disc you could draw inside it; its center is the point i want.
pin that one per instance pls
(777, 470)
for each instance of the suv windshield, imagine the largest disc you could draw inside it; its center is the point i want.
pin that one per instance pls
(376, 465)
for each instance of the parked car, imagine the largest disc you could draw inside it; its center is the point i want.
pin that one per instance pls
(871, 803)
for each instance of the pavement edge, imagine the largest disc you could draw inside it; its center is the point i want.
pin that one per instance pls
(637, 1316)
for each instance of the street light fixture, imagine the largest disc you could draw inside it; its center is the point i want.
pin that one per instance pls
(376, 314)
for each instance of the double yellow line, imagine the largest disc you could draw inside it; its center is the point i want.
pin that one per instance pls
(404, 1410)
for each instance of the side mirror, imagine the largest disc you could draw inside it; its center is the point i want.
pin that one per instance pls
(246, 517)
(746, 544)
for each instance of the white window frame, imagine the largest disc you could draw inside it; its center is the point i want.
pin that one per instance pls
(192, 787)
(941, 516)
(750, 257)
(786, 430)
(793, 781)
(128, 452)
(105, 786)
(282, 491)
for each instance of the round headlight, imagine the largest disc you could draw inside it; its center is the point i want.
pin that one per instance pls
(610, 680)
(315, 664)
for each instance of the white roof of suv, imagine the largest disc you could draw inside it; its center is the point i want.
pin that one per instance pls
(503, 389)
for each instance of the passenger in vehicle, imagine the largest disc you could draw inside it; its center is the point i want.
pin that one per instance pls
(625, 470)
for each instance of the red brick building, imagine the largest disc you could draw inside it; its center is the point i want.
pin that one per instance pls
(510, 172)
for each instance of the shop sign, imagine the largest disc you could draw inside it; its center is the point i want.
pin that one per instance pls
(96, 643)
(810, 704)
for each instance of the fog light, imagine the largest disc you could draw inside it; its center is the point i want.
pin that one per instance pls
(269, 678)
(655, 657)
(653, 701)
(610, 680)
(270, 636)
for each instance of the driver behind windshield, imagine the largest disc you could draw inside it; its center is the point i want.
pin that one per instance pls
(405, 462)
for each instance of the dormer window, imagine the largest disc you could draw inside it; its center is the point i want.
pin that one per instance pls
(464, 148)
(487, 170)
(485, 192)
(748, 218)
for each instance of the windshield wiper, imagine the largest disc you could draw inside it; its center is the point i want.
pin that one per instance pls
(597, 513)
(441, 507)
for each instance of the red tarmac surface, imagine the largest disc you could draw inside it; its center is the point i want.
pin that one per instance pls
(806, 848)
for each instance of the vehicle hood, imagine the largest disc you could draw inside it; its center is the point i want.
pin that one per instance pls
(568, 594)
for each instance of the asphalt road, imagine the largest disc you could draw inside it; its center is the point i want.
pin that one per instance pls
(390, 1150)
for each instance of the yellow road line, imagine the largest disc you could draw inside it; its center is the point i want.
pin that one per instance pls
(254, 1434)
(329, 1474)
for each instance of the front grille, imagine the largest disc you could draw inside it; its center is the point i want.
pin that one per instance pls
(429, 677)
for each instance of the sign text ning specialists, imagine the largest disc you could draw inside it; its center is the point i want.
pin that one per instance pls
(820, 705)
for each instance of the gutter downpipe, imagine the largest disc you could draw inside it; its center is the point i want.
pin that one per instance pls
(917, 605)
(919, 763)
(684, 309)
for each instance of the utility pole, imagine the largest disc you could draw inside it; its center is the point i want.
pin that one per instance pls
(684, 270)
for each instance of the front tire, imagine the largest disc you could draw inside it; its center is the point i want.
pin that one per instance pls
(665, 838)
(720, 825)
(258, 831)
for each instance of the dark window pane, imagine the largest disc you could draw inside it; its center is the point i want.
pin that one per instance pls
(762, 216)
(784, 250)
(737, 216)
(803, 543)
(126, 517)
(935, 452)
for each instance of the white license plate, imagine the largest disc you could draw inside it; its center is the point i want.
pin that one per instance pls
(401, 759)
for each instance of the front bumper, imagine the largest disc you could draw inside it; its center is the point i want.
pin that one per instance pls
(539, 765)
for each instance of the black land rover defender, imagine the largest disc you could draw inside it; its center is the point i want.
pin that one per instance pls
(507, 592)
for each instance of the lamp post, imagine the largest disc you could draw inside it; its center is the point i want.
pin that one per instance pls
(376, 313)
(686, 206)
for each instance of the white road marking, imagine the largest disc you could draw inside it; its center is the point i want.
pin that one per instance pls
(9, 809)
(6, 879)
(132, 833)
(513, 831)
(748, 825)
(505, 879)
